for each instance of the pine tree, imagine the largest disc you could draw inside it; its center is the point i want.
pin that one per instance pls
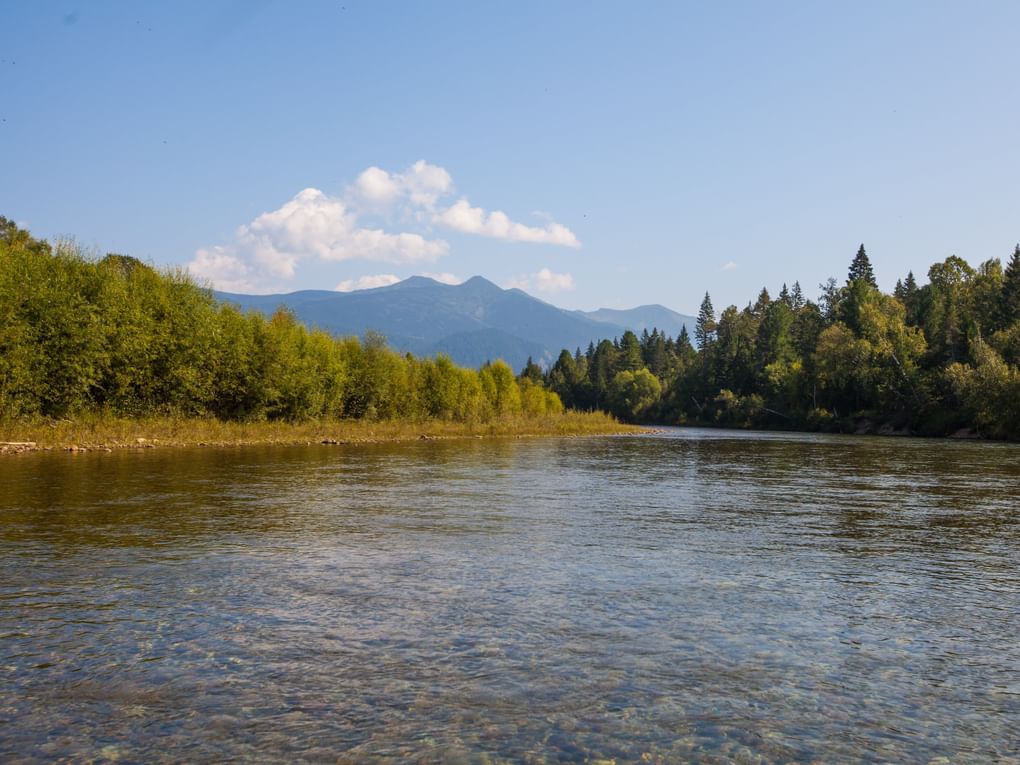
(532, 371)
(683, 337)
(860, 269)
(630, 353)
(1009, 299)
(912, 299)
(830, 299)
(761, 304)
(797, 297)
(704, 329)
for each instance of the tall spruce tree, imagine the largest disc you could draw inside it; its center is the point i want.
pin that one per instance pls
(860, 269)
(684, 349)
(797, 297)
(784, 295)
(630, 352)
(1009, 300)
(704, 328)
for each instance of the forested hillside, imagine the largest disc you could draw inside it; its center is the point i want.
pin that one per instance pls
(113, 336)
(471, 322)
(931, 359)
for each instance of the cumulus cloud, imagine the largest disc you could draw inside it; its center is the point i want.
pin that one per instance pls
(266, 253)
(421, 185)
(730, 266)
(372, 281)
(369, 282)
(543, 280)
(461, 216)
(376, 186)
(311, 226)
(226, 271)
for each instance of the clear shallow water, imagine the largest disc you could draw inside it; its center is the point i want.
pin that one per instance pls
(690, 596)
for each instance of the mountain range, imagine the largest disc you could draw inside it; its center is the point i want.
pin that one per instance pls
(472, 322)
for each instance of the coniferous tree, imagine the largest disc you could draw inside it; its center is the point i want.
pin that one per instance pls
(532, 371)
(654, 353)
(1009, 301)
(704, 329)
(630, 353)
(830, 300)
(860, 269)
(563, 378)
(912, 299)
(797, 297)
(983, 298)
(761, 304)
(684, 350)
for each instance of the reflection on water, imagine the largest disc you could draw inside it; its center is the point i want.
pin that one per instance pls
(690, 596)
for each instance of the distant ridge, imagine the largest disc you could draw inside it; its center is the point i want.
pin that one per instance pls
(472, 322)
(645, 317)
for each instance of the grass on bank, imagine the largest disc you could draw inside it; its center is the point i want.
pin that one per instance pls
(96, 432)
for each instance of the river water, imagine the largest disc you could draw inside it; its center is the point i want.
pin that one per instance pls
(699, 596)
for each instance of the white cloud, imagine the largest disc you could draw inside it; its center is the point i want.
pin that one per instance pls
(384, 280)
(461, 216)
(444, 278)
(310, 226)
(265, 255)
(542, 281)
(730, 266)
(425, 183)
(377, 186)
(225, 271)
(421, 185)
(367, 282)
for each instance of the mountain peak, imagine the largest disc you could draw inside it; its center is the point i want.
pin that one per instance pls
(413, 282)
(479, 281)
(480, 285)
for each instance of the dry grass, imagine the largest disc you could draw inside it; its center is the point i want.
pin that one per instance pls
(96, 432)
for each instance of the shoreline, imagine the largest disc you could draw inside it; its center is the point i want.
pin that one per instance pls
(862, 428)
(108, 435)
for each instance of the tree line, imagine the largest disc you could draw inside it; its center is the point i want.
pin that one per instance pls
(114, 336)
(929, 359)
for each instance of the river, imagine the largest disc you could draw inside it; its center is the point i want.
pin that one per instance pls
(691, 595)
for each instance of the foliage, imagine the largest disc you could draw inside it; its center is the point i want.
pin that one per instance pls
(931, 358)
(111, 337)
(84, 336)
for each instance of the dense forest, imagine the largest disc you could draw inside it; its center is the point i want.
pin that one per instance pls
(933, 359)
(113, 336)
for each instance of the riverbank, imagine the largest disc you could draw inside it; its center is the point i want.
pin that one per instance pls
(107, 434)
(859, 426)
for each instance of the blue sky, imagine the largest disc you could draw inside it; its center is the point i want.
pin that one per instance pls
(596, 154)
